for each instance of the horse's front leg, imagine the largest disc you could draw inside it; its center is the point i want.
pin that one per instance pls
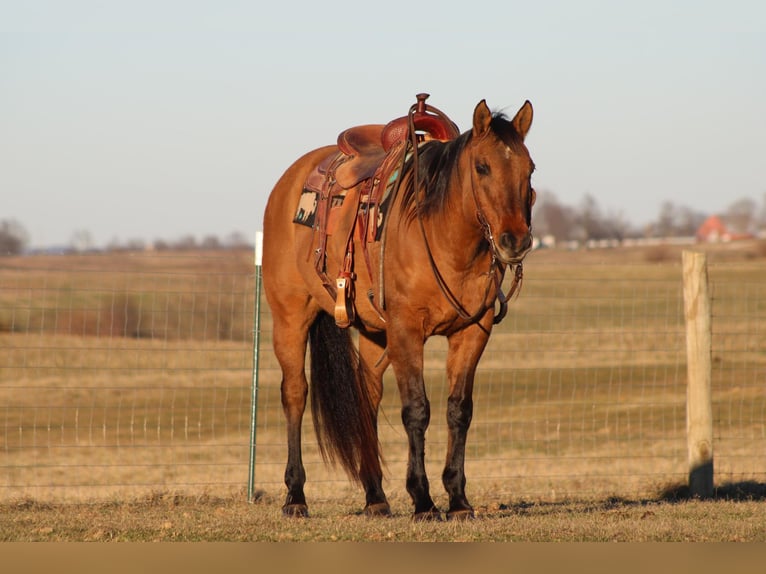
(374, 361)
(465, 350)
(405, 351)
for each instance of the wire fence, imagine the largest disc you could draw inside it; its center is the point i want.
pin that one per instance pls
(580, 392)
(122, 375)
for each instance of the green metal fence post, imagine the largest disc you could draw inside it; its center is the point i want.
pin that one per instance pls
(256, 349)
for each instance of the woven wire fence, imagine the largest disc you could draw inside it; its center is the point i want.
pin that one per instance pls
(739, 372)
(123, 375)
(580, 393)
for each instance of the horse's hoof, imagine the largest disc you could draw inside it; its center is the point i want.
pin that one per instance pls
(295, 510)
(460, 515)
(377, 509)
(432, 515)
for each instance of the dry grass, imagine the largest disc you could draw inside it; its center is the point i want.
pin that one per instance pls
(167, 517)
(144, 295)
(579, 419)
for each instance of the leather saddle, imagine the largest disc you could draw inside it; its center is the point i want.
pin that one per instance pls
(364, 172)
(367, 146)
(363, 147)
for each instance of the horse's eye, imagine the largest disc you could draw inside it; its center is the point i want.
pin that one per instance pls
(482, 168)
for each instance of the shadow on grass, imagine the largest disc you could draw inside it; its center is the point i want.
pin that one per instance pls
(735, 491)
(745, 491)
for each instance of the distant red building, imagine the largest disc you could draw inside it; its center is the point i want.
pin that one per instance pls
(715, 230)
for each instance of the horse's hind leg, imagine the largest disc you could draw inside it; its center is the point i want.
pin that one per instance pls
(374, 361)
(290, 338)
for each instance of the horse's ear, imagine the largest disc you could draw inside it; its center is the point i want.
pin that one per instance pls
(481, 119)
(523, 119)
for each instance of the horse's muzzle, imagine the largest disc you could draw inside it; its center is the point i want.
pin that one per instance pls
(512, 249)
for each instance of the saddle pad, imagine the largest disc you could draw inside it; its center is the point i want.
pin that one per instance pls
(307, 208)
(307, 204)
(376, 206)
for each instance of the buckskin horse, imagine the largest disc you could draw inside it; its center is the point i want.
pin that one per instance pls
(423, 222)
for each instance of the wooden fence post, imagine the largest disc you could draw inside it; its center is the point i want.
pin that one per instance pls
(699, 404)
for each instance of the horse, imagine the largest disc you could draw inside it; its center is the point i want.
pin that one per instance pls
(458, 218)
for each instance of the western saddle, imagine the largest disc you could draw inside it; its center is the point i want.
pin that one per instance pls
(361, 178)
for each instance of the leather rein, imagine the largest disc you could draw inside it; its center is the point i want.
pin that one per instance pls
(496, 271)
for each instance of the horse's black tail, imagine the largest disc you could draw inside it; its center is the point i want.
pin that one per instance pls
(343, 413)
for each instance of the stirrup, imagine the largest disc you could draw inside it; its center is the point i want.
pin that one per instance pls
(344, 307)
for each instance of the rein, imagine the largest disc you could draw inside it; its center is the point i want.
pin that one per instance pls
(496, 271)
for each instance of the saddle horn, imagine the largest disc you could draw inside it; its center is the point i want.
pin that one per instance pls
(427, 119)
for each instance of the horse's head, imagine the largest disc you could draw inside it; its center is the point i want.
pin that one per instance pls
(501, 171)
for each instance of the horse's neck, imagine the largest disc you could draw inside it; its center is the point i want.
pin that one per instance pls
(456, 237)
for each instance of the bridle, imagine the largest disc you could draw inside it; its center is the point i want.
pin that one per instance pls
(497, 268)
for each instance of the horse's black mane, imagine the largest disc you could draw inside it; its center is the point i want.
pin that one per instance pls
(438, 163)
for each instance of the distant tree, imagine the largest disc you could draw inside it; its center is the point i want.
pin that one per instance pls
(617, 227)
(237, 240)
(210, 242)
(666, 221)
(761, 219)
(741, 215)
(551, 217)
(81, 240)
(677, 221)
(186, 242)
(688, 221)
(591, 220)
(160, 245)
(13, 237)
(136, 244)
(588, 221)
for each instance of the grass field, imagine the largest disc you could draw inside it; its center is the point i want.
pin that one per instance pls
(125, 385)
(734, 517)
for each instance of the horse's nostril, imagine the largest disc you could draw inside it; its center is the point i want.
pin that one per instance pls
(527, 241)
(509, 242)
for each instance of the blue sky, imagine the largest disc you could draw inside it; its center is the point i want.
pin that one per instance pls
(158, 119)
